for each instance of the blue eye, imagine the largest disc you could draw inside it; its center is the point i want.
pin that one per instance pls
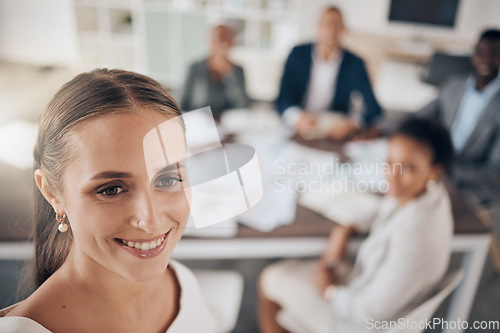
(167, 183)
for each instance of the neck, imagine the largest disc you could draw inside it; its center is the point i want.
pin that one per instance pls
(219, 56)
(327, 50)
(105, 287)
(405, 200)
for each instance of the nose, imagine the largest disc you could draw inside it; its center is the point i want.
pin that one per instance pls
(489, 60)
(147, 215)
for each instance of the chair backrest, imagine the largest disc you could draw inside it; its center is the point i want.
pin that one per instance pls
(425, 310)
(420, 313)
(442, 65)
(223, 292)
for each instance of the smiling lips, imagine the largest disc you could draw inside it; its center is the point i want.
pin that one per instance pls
(144, 248)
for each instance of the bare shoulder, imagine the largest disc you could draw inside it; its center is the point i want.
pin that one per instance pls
(45, 306)
(25, 308)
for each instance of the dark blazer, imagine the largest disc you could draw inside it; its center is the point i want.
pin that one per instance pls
(352, 76)
(477, 167)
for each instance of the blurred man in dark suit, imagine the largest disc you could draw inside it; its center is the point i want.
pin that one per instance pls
(320, 77)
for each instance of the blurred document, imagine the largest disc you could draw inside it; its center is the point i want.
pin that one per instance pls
(244, 121)
(343, 208)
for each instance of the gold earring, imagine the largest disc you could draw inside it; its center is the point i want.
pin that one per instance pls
(62, 227)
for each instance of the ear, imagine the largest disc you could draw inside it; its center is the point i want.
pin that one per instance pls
(47, 192)
(436, 172)
(343, 27)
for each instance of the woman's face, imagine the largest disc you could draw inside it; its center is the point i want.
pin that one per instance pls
(409, 168)
(127, 209)
(221, 40)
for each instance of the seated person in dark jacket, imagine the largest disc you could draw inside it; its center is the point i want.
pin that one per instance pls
(216, 81)
(469, 105)
(321, 76)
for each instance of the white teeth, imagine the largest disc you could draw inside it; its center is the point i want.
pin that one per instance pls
(146, 245)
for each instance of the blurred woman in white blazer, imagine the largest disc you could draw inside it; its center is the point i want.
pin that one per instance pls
(405, 255)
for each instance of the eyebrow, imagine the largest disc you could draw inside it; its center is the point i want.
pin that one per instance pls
(111, 174)
(170, 167)
(117, 174)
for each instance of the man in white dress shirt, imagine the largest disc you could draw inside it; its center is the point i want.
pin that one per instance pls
(321, 77)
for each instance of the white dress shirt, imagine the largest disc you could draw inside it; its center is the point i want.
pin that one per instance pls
(471, 107)
(321, 87)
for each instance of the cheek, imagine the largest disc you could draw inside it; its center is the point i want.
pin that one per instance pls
(91, 222)
(415, 182)
(177, 206)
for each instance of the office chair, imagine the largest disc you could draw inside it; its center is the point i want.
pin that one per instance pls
(421, 312)
(442, 65)
(223, 292)
(425, 310)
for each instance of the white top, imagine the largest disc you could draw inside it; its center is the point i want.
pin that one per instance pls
(402, 259)
(194, 316)
(396, 268)
(321, 87)
(322, 82)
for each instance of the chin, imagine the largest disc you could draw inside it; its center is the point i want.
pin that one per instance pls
(146, 274)
(486, 72)
(147, 270)
(392, 192)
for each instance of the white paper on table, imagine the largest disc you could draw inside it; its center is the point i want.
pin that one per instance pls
(241, 121)
(276, 207)
(367, 151)
(274, 210)
(301, 153)
(343, 208)
(372, 156)
(221, 182)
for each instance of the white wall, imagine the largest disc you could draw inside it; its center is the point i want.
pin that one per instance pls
(39, 32)
(42, 32)
(370, 16)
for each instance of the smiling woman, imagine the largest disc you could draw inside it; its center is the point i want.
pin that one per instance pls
(109, 213)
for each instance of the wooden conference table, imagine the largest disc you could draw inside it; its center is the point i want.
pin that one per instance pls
(307, 236)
